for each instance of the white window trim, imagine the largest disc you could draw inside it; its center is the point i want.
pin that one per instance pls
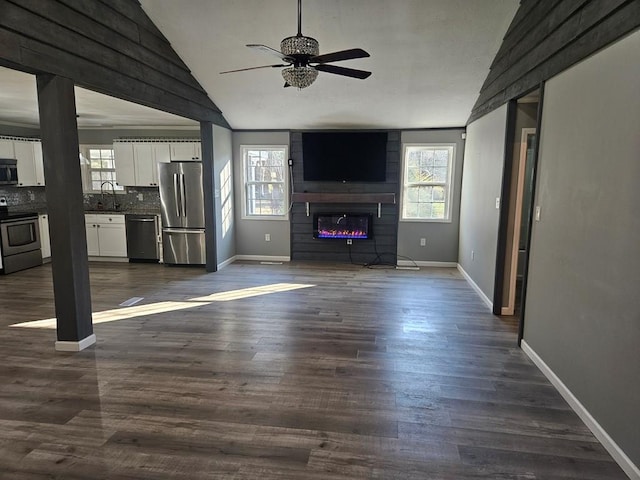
(284, 217)
(450, 175)
(86, 170)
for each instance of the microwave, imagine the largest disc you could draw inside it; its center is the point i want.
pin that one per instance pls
(8, 171)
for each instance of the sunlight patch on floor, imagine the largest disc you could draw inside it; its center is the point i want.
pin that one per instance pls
(163, 307)
(252, 292)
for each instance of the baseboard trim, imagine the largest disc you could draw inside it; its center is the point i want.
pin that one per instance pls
(598, 431)
(227, 262)
(65, 346)
(263, 258)
(108, 259)
(475, 286)
(419, 263)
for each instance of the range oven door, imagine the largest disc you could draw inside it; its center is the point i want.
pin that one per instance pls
(19, 236)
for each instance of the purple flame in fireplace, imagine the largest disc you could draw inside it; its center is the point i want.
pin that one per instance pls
(329, 225)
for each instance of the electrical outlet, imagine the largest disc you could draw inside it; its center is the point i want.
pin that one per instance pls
(32, 196)
(498, 203)
(537, 214)
(473, 255)
(140, 197)
(349, 241)
(423, 242)
(267, 237)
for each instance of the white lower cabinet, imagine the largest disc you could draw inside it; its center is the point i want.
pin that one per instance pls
(106, 235)
(45, 241)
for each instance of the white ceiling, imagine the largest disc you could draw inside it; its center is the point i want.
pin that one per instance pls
(19, 106)
(429, 59)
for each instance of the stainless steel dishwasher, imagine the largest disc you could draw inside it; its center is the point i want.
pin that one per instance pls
(142, 237)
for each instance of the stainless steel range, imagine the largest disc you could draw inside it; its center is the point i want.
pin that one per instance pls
(19, 240)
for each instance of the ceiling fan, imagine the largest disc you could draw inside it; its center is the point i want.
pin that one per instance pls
(302, 59)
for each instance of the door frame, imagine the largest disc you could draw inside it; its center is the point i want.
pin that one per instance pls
(512, 256)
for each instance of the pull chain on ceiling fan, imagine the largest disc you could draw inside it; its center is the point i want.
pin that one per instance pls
(300, 52)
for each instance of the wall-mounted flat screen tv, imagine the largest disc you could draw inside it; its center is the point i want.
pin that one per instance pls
(344, 156)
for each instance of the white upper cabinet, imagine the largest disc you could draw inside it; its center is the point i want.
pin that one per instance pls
(137, 162)
(30, 165)
(185, 151)
(6, 148)
(125, 169)
(147, 162)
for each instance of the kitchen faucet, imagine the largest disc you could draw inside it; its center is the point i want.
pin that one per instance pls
(116, 205)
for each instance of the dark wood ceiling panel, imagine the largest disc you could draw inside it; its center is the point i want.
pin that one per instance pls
(565, 35)
(111, 47)
(125, 43)
(43, 30)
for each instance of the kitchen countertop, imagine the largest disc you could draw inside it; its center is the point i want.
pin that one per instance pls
(136, 211)
(42, 210)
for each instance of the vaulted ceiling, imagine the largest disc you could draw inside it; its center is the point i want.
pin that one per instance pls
(428, 60)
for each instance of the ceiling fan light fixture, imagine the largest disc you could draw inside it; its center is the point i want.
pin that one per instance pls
(300, 77)
(300, 45)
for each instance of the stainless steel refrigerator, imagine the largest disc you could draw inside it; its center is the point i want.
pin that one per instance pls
(182, 208)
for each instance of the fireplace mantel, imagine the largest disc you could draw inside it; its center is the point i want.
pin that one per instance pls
(317, 197)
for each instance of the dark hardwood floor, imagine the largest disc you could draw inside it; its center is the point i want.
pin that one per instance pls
(353, 374)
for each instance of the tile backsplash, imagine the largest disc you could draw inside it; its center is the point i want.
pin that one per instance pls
(22, 197)
(34, 198)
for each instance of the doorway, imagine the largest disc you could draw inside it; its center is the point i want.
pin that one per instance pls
(516, 213)
(517, 244)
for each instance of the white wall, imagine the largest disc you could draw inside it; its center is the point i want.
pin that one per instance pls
(582, 313)
(250, 234)
(481, 182)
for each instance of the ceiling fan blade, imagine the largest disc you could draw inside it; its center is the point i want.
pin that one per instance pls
(341, 55)
(255, 68)
(347, 72)
(270, 51)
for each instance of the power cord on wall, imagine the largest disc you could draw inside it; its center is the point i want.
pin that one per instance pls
(378, 262)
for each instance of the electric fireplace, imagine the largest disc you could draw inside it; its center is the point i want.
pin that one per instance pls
(347, 225)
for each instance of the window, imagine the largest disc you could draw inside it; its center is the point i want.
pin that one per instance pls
(98, 167)
(264, 172)
(426, 192)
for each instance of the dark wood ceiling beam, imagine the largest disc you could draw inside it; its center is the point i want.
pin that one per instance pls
(110, 47)
(100, 79)
(126, 41)
(43, 30)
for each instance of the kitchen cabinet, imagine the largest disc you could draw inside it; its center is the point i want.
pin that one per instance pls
(106, 235)
(28, 153)
(6, 148)
(185, 151)
(137, 162)
(146, 157)
(125, 170)
(45, 240)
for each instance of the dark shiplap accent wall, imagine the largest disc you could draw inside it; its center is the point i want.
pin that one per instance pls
(385, 228)
(547, 37)
(111, 47)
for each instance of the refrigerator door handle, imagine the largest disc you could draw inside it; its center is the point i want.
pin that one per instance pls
(176, 192)
(183, 195)
(175, 230)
